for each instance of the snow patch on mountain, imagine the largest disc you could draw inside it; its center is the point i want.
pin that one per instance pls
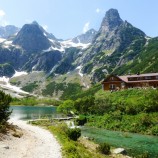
(79, 72)
(54, 48)
(19, 73)
(69, 43)
(8, 43)
(4, 83)
(2, 40)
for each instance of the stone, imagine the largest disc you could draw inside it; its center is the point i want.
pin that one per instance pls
(120, 151)
(17, 133)
(4, 146)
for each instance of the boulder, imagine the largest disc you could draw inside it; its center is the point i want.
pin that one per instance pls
(17, 133)
(120, 151)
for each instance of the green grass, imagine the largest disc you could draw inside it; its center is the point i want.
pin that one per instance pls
(35, 101)
(68, 89)
(141, 123)
(30, 87)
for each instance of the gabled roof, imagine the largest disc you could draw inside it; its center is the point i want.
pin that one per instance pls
(106, 79)
(125, 78)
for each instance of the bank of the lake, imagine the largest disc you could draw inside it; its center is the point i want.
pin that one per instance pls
(32, 112)
(33, 101)
(135, 144)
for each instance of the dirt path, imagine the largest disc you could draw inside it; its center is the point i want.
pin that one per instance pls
(35, 143)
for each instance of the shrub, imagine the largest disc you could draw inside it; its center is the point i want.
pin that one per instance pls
(70, 148)
(84, 105)
(145, 119)
(74, 133)
(3, 128)
(66, 107)
(81, 120)
(4, 107)
(144, 155)
(104, 148)
(155, 130)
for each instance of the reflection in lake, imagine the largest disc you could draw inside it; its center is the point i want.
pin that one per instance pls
(32, 112)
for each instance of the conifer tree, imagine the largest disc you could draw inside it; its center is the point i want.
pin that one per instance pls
(5, 99)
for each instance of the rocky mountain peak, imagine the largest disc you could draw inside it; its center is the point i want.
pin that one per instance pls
(35, 23)
(32, 38)
(85, 38)
(111, 20)
(8, 30)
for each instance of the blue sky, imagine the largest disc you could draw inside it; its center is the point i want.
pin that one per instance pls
(69, 18)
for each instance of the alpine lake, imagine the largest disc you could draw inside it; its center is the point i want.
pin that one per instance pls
(135, 144)
(32, 112)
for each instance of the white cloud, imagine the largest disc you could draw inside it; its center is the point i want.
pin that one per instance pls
(2, 13)
(86, 27)
(45, 27)
(98, 10)
(3, 21)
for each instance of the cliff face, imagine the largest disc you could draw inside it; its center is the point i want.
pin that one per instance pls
(114, 45)
(31, 38)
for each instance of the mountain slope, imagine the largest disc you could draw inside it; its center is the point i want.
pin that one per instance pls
(145, 62)
(43, 61)
(31, 49)
(116, 43)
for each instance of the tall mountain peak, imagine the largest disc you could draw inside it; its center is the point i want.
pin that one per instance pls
(35, 22)
(32, 38)
(111, 20)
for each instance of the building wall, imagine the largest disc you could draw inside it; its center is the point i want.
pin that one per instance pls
(143, 84)
(117, 85)
(114, 81)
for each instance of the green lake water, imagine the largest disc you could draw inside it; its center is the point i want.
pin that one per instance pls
(31, 112)
(135, 144)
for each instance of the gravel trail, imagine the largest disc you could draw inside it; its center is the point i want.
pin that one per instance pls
(36, 142)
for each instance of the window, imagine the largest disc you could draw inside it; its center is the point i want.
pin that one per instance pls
(147, 77)
(131, 78)
(122, 85)
(112, 78)
(112, 86)
(157, 77)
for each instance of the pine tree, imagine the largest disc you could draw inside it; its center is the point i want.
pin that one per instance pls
(4, 107)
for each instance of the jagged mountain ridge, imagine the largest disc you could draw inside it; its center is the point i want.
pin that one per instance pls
(86, 37)
(7, 31)
(34, 49)
(118, 47)
(109, 48)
